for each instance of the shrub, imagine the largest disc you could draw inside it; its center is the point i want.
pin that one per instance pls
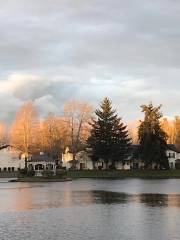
(47, 173)
(60, 173)
(30, 173)
(22, 172)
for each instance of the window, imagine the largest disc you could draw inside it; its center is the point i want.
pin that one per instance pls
(172, 155)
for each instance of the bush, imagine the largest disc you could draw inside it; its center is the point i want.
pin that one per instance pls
(60, 173)
(23, 172)
(111, 167)
(47, 173)
(26, 173)
(30, 173)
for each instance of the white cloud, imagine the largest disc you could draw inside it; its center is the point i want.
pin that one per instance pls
(51, 51)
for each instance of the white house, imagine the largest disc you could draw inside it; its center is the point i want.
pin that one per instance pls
(84, 161)
(173, 156)
(10, 159)
(40, 163)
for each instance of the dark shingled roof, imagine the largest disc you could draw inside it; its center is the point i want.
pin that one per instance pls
(173, 148)
(41, 158)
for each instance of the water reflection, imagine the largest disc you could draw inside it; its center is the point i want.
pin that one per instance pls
(90, 210)
(27, 198)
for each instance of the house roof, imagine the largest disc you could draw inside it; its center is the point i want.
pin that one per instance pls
(4, 146)
(41, 158)
(172, 147)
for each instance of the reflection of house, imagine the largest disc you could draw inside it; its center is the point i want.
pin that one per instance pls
(84, 161)
(10, 159)
(40, 163)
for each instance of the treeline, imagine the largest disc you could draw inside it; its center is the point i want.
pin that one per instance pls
(102, 130)
(32, 135)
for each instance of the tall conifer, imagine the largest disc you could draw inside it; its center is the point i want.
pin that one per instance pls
(152, 138)
(109, 138)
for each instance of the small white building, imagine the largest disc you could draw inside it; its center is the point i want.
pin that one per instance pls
(10, 159)
(40, 163)
(173, 156)
(83, 161)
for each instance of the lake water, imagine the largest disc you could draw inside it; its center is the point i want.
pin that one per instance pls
(91, 209)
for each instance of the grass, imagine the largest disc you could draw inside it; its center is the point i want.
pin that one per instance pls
(120, 174)
(41, 179)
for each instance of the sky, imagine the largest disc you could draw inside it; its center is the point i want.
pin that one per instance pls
(52, 51)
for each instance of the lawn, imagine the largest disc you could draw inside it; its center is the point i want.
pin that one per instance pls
(149, 174)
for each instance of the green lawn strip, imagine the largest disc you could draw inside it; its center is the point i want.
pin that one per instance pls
(149, 174)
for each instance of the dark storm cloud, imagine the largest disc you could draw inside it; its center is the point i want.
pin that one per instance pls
(51, 51)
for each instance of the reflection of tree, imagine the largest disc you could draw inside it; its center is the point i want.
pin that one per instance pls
(153, 200)
(107, 197)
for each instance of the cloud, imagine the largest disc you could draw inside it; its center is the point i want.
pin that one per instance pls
(51, 51)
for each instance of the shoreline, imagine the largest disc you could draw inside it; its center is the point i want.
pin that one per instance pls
(39, 179)
(105, 174)
(123, 174)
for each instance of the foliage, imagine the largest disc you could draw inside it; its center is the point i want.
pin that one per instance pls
(47, 173)
(60, 173)
(30, 173)
(26, 173)
(152, 138)
(109, 137)
(23, 172)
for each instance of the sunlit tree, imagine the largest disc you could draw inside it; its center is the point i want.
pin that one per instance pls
(3, 134)
(77, 116)
(25, 129)
(53, 135)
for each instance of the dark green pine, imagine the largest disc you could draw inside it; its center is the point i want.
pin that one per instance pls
(152, 138)
(109, 137)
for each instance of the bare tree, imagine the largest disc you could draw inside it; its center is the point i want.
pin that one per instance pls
(3, 134)
(133, 131)
(24, 131)
(77, 116)
(53, 134)
(169, 126)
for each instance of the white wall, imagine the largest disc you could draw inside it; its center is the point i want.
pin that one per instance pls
(10, 158)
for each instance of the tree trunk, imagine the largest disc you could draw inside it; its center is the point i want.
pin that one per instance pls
(26, 163)
(106, 161)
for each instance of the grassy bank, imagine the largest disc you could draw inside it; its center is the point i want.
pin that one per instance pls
(41, 179)
(145, 174)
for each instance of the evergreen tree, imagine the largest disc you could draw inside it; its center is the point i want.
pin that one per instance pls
(109, 138)
(152, 138)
